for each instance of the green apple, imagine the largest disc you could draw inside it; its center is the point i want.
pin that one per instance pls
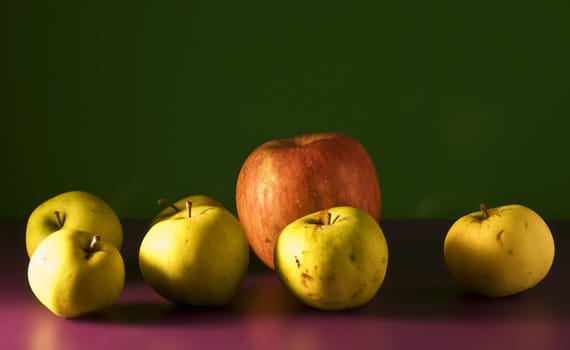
(198, 256)
(500, 251)
(78, 210)
(74, 273)
(332, 259)
(180, 205)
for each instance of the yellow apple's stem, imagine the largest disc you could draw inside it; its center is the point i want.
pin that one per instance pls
(166, 203)
(94, 241)
(335, 219)
(189, 208)
(58, 218)
(484, 210)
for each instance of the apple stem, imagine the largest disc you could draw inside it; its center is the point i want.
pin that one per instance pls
(166, 203)
(335, 219)
(58, 218)
(189, 208)
(94, 241)
(484, 210)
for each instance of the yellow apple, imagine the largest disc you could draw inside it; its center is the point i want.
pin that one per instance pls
(74, 273)
(198, 256)
(332, 259)
(180, 205)
(500, 251)
(77, 210)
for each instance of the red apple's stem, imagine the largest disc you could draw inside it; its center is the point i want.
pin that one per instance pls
(94, 241)
(58, 218)
(166, 203)
(189, 208)
(484, 210)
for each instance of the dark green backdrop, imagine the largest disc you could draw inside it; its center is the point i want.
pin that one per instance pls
(457, 103)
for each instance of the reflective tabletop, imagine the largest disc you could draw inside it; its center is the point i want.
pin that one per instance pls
(418, 306)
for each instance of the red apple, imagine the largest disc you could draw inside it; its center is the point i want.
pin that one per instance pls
(285, 179)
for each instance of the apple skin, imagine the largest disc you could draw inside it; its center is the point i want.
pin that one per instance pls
(70, 279)
(285, 179)
(499, 252)
(200, 259)
(333, 263)
(197, 200)
(80, 210)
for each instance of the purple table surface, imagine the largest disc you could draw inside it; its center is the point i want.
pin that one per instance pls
(418, 306)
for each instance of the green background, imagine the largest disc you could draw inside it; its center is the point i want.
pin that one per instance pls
(457, 103)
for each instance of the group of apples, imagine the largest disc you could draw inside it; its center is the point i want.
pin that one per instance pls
(309, 208)
(195, 252)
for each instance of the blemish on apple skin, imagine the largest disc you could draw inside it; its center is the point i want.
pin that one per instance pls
(358, 292)
(297, 262)
(510, 252)
(499, 236)
(352, 257)
(331, 277)
(378, 273)
(305, 278)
